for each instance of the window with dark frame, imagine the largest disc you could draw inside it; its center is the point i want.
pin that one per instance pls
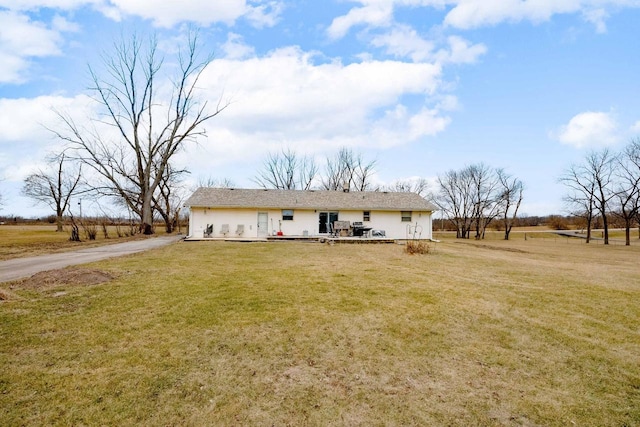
(406, 216)
(287, 214)
(366, 216)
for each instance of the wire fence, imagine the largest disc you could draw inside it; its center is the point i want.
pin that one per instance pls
(616, 237)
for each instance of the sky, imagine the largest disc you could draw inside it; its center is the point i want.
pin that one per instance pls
(420, 87)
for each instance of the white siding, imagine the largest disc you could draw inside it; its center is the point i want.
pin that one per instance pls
(304, 220)
(391, 222)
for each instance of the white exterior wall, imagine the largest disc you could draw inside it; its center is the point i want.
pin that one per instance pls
(392, 224)
(304, 220)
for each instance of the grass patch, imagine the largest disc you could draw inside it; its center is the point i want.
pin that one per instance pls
(30, 240)
(214, 333)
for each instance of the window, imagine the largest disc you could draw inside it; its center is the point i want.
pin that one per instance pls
(287, 214)
(366, 216)
(406, 216)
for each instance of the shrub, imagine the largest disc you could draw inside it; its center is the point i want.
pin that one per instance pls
(417, 247)
(556, 222)
(75, 232)
(90, 231)
(105, 230)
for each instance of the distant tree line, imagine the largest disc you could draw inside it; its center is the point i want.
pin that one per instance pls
(605, 186)
(553, 222)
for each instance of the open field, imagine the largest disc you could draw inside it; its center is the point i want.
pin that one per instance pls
(31, 240)
(536, 332)
(616, 236)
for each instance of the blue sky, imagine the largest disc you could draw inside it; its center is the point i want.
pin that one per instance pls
(420, 86)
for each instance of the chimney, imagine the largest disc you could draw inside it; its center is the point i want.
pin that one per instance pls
(345, 187)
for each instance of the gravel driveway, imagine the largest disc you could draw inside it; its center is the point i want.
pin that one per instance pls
(19, 268)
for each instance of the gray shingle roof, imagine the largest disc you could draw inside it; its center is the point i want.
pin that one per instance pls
(298, 199)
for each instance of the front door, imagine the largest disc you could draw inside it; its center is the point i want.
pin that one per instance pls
(324, 219)
(263, 224)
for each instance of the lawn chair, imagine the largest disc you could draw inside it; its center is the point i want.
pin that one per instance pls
(208, 231)
(341, 228)
(224, 230)
(240, 230)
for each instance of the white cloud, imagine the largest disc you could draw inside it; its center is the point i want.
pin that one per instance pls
(589, 129)
(168, 14)
(282, 99)
(287, 99)
(468, 14)
(24, 5)
(265, 15)
(403, 41)
(22, 119)
(636, 127)
(60, 23)
(24, 124)
(236, 48)
(20, 40)
(399, 125)
(373, 13)
(260, 13)
(460, 51)
(597, 17)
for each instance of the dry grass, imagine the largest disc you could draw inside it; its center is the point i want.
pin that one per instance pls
(30, 240)
(415, 247)
(536, 332)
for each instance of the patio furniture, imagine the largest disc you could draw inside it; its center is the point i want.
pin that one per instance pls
(341, 228)
(224, 230)
(240, 230)
(208, 231)
(359, 230)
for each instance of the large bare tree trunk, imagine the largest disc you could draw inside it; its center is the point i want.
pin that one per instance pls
(152, 126)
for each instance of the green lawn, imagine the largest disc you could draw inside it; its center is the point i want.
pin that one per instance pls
(536, 332)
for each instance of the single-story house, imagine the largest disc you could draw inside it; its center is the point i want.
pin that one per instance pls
(258, 213)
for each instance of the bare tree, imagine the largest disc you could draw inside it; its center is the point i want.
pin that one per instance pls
(211, 182)
(287, 171)
(454, 198)
(169, 198)
(348, 171)
(56, 186)
(627, 192)
(418, 185)
(151, 127)
(591, 184)
(510, 196)
(602, 164)
(485, 200)
(475, 196)
(581, 197)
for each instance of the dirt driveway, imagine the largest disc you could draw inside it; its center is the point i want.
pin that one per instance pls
(19, 268)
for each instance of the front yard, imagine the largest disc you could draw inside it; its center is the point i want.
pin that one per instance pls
(536, 332)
